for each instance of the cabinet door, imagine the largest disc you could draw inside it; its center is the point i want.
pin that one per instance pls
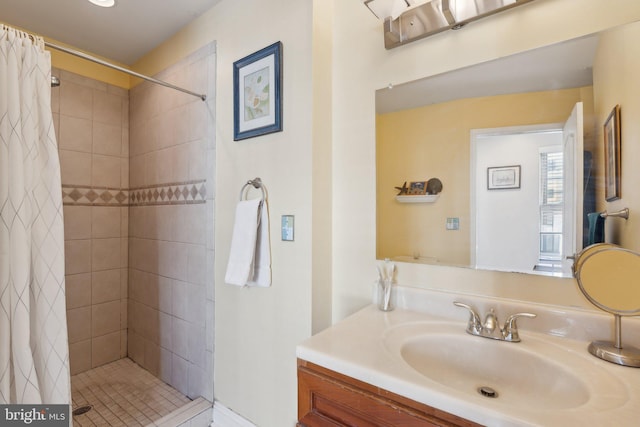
(329, 399)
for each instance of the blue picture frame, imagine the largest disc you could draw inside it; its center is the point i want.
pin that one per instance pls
(257, 93)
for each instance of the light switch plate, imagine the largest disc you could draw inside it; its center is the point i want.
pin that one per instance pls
(453, 223)
(287, 228)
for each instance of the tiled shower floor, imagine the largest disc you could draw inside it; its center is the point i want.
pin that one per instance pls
(122, 394)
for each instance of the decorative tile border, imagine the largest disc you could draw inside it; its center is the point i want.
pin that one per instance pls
(181, 193)
(94, 196)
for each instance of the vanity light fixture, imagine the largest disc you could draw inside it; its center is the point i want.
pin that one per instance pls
(406, 21)
(383, 9)
(104, 3)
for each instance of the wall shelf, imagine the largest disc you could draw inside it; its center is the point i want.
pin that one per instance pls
(427, 198)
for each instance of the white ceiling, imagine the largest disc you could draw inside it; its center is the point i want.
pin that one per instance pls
(123, 33)
(559, 66)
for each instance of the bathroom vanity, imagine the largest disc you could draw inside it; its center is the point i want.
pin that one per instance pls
(416, 366)
(326, 396)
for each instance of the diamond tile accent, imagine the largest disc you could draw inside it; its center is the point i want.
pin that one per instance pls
(121, 197)
(164, 194)
(169, 194)
(91, 195)
(106, 196)
(75, 195)
(94, 196)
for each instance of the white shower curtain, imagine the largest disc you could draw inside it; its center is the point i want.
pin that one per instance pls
(34, 355)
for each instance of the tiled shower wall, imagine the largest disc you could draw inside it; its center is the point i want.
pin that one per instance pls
(92, 126)
(138, 210)
(171, 226)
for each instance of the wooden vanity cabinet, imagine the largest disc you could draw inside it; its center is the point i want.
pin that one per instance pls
(329, 399)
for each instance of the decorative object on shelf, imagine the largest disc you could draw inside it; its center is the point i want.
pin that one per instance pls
(503, 177)
(402, 190)
(612, 155)
(417, 188)
(434, 186)
(257, 93)
(419, 191)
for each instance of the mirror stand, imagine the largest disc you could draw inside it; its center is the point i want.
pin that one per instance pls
(613, 351)
(607, 276)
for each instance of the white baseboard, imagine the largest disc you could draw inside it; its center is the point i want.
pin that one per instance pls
(225, 417)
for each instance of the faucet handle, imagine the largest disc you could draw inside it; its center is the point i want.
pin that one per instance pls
(475, 324)
(510, 330)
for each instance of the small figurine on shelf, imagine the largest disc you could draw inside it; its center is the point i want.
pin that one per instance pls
(434, 186)
(403, 190)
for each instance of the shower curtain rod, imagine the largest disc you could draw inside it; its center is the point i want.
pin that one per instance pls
(124, 70)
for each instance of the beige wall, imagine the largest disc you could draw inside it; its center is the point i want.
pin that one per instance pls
(257, 329)
(434, 141)
(92, 127)
(616, 73)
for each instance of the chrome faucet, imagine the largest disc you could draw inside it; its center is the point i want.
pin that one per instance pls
(490, 327)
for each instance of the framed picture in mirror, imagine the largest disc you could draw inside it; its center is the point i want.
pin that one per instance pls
(612, 155)
(503, 177)
(417, 188)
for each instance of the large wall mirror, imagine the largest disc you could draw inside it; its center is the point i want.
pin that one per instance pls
(517, 144)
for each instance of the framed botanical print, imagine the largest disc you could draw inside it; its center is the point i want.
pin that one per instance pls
(257, 93)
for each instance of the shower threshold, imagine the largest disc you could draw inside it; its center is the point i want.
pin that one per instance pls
(124, 394)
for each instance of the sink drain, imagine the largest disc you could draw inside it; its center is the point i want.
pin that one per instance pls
(82, 410)
(487, 392)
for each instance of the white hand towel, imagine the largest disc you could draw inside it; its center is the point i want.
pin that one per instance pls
(262, 259)
(250, 258)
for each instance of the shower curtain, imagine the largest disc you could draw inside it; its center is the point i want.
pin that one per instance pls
(34, 355)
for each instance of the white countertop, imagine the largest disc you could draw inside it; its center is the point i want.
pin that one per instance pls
(358, 347)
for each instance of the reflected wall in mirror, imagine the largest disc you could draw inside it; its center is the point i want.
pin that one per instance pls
(424, 129)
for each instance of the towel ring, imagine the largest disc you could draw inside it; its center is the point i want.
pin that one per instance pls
(256, 183)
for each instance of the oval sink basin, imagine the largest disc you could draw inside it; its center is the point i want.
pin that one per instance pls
(517, 376)
(534, 374)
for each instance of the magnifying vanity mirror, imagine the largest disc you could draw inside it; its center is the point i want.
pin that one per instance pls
(532, 118)
(608, 277)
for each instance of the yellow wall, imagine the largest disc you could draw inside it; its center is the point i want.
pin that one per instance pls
(434, 141)
(616, 71)
(67, 62)
(74, 64)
